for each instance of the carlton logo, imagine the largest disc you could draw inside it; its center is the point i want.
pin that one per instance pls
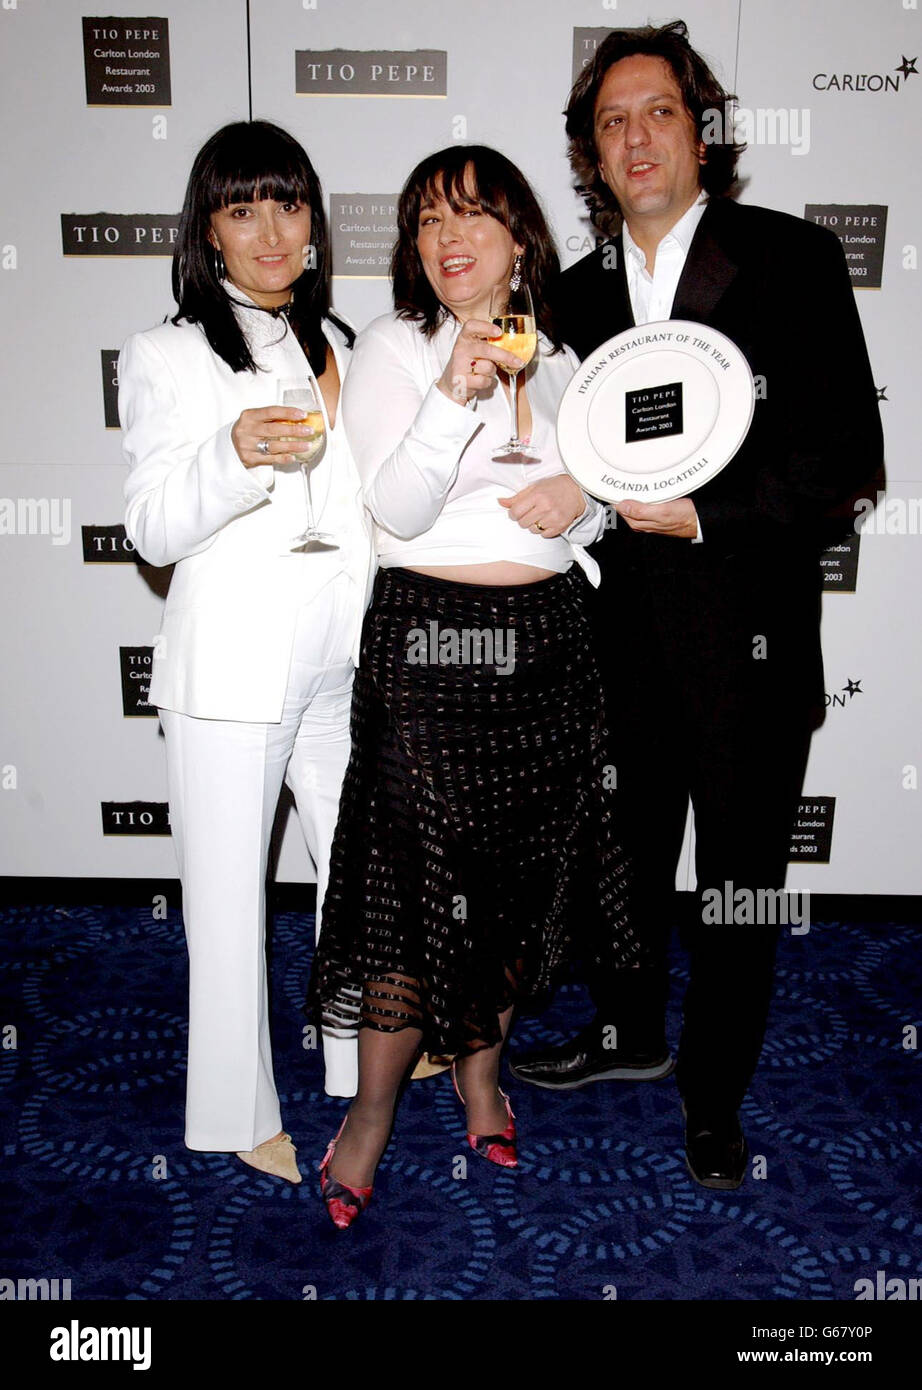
(867, 81)
(118, 234)
(135, 818)
(838, 699)
(354, 73)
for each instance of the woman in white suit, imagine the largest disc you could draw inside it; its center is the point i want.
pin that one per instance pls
(254, 663)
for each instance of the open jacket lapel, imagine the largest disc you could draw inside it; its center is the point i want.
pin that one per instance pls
(709, 269)
(616, 284)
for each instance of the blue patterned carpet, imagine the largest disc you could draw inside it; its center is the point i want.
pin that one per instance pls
(99, 1188)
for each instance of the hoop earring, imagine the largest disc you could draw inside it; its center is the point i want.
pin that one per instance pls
(516, 278)
(220, 269)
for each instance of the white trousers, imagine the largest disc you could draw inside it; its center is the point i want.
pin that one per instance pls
(224, 783)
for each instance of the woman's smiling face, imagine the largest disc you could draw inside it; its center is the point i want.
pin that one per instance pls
(466, 254)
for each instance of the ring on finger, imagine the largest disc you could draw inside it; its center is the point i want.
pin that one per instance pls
(538, 526)
(263, 446)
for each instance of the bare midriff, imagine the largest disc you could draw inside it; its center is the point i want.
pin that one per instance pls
(493, 572)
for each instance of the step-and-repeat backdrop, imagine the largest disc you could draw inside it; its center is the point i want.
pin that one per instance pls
(102, 116)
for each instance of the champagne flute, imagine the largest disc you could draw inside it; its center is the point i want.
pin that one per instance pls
(512, 310)
(303, 394)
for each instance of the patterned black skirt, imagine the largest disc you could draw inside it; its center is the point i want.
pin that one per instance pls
(476, 834)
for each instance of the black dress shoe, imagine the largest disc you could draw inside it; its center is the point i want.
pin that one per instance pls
(715, 1150)
(583, 1059)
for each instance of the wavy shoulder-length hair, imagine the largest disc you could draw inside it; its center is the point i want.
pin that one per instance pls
(704, 98)
(244, 161)
(466, 176)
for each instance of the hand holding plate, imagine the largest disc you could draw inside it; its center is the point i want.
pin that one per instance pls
(677, 518)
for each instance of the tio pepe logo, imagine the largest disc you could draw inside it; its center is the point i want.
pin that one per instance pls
(354, 73)
(135, 818)
(118, 234)
(108, 545)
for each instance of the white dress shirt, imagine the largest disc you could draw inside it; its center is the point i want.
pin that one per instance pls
(425, 461)
(652, 296)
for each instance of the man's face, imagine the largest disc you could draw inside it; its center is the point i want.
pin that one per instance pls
(649, 154)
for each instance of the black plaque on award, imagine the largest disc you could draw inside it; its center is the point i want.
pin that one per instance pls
(653, 411)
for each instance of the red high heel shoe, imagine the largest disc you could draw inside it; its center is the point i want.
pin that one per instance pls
(344, 1203)
(496, 1148)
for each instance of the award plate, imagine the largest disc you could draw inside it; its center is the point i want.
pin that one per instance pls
(655, 412)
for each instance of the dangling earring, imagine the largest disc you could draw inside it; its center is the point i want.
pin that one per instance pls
(516, 279)
(220, 269)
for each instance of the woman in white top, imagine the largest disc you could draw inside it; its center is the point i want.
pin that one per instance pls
(474, 825)
(254, 663)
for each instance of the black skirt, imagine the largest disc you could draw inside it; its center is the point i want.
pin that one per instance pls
(476, 834)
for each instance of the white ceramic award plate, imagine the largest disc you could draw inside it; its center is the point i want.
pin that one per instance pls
(655, 412)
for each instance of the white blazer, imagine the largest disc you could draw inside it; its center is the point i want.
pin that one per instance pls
(224, 648)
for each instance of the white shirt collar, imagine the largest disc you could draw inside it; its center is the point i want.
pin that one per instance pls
(682, 231)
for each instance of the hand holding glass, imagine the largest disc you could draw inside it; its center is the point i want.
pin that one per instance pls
(512, 311)
(303, 394)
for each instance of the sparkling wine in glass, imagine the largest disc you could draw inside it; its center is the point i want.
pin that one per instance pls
(303, 394)
(512, 311)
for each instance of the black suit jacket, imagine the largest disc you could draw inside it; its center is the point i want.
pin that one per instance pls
(778, 286)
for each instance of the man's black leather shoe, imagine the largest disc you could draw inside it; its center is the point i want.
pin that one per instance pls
(583, 1059)
(715, 1150)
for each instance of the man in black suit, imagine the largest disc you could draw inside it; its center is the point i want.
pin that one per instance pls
(708, 613)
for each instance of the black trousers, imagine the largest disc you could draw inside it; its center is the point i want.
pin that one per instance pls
(698, 706)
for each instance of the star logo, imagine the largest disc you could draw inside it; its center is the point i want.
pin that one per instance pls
(882, 393)
(907, 66)
(853, 688)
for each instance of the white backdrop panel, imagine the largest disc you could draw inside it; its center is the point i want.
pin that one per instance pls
(62, 722)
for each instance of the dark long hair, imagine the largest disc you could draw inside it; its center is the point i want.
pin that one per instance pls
(241, 162)
(463, 174)
(701, 92)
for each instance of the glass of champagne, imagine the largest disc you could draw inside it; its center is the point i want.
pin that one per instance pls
(512, 311)
(303, 394)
